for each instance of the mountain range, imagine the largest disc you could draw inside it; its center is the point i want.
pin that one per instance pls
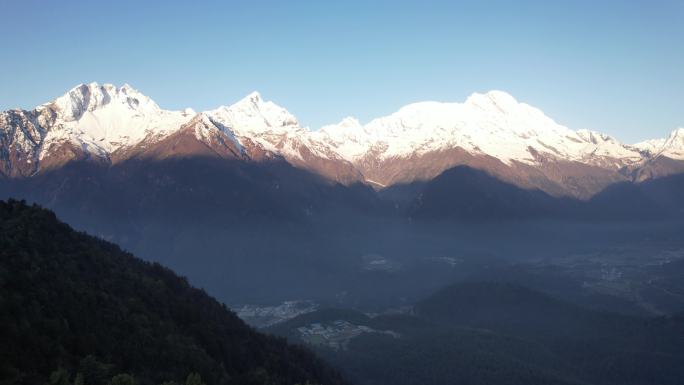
(256, 209)
(493, 132)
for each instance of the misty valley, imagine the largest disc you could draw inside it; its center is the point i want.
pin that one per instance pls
(376, 265)
(387, 296)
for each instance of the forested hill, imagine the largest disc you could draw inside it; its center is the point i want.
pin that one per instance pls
(76, 309)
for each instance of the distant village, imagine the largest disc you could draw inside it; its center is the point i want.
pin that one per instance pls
(337, 334)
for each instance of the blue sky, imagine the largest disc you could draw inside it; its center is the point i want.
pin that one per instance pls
(612, 66)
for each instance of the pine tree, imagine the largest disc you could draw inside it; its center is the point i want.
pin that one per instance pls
(122, 379)
(59, 377)
(79, 379)
(94, 371)
(194, 379)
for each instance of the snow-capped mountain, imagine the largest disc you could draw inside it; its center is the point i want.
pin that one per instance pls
(671, 147)
(90, 120)
(105, 118)
(486, 129)
(492, 124)
(509, 139)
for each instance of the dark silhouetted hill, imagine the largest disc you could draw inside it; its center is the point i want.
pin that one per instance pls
(67, 299)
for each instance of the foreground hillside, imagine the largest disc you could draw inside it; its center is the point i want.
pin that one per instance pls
(72, 302)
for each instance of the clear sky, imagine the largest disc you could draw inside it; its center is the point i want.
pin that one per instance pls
(612, 66)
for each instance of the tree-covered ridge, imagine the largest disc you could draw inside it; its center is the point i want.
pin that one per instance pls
(66, 297)
(494, 332)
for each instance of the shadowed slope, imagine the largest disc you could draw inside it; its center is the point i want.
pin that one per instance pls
(66, 295)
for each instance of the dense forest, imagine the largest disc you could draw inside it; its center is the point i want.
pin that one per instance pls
(76, 309)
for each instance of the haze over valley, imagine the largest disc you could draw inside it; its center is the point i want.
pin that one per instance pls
(259, 210)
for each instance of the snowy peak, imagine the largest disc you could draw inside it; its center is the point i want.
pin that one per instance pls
(671, 147)
(651, 146)
(252, 116)
(253, 98)
(493, 124)
(500, 100)
(251, 104)
(677, 135)
(90, 97)
(674, 145)
(104, 118)
(252, 121)
(347, 129)
(349, 122)
(594, 137)
(95, 119)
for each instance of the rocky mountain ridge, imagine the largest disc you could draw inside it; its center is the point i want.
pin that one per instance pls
(493, 132)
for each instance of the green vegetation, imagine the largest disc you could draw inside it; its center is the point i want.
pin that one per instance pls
(61, 377)
(77, 310)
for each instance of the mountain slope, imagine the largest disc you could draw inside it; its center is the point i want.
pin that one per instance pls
(407, 350)
(464, 193)
(513, 309)
(495, 333)
(67, 296)
(605, 347)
